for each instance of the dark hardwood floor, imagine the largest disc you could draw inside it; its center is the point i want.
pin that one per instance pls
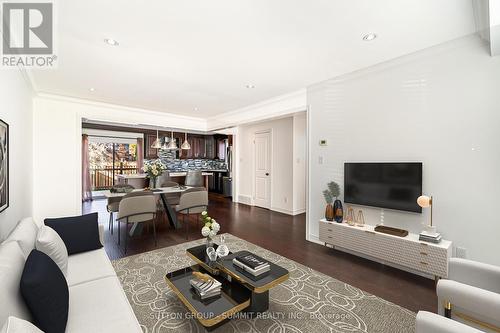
(285, 235)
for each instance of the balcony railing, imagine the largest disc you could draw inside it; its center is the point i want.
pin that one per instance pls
(104, 178)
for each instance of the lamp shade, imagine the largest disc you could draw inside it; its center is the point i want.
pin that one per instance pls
(424, 201)
(185, 145)
(157, 143)
(172, 145)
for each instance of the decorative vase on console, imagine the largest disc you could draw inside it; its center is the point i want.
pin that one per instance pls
(338, 211)
(210, 228)
(335, 211)
(329, 212)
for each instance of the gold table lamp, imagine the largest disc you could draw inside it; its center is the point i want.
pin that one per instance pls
(425, 201)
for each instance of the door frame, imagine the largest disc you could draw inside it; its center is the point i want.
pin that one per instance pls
(270, 132)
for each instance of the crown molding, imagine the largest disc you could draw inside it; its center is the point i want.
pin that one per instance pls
(279, 106)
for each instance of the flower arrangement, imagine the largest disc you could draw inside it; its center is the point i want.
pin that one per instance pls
(210, 226)
(154, 169)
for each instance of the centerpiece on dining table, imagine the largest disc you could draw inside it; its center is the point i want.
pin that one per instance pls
(154, 169)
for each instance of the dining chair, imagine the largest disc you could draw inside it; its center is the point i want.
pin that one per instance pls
(114, 202)
(194, 178)
(192, 201)
(163, 178)
(137, 207)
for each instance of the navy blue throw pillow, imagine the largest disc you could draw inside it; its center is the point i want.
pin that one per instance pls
(45, 292)
(79, 233)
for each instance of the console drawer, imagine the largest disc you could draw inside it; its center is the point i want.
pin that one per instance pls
(330, 234)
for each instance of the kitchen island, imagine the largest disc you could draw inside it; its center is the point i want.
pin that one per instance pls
(139, 180)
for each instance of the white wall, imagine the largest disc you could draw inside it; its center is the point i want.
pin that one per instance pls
(16, 109)
(439, 106)
(282, 163)
(57, 133)
(299, 162)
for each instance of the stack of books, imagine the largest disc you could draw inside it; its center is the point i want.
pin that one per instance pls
(205, 286)
(431, 237)
(252, 264)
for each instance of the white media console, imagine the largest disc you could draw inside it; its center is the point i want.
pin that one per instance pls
(409, 252)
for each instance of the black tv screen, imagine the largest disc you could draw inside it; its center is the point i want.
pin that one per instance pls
(385, 185)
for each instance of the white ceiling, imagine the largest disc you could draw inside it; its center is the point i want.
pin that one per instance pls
(175, 56)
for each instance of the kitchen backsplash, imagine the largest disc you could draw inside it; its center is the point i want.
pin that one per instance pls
(195, 164)
(168, 157)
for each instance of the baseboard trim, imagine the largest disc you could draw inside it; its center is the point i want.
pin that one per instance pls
(314, 239)
(245, 199)
(299, 211)
(283, 211)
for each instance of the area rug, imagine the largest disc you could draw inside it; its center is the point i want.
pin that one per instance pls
(308, 301)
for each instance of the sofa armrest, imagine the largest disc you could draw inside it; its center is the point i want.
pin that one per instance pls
(474, 301)
(432, 323)
(101, 234)
(475, 274)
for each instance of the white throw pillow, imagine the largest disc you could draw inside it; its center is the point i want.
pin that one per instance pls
(49, 242)
(11, 268)
(16, 325)
(25, 234)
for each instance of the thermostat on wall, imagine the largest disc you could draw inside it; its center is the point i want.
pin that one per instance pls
(322, 142)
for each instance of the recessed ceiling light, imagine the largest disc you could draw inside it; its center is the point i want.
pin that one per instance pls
(369, 37)
(196, 109)
(111, 41)
(92, 89)
(250, 86)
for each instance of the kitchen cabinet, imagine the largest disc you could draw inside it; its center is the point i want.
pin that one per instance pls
(209, 147)
(150, 153)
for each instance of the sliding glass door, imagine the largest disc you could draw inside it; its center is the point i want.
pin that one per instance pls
(109, 159)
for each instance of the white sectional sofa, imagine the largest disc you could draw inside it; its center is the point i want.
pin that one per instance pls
(97, 302)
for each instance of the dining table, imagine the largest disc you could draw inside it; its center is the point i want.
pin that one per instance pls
(161, 191)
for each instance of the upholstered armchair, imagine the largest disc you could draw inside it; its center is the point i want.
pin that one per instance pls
(432, 323)
(470, 295)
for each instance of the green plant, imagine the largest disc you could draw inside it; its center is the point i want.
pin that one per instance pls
(334, 189)
(328, 196)
(332, 192)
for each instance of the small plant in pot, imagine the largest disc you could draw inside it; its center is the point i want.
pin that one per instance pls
(334, 210)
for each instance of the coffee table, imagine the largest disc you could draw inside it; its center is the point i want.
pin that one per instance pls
(241, 292)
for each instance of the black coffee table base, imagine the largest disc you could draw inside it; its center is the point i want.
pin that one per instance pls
(259, 302)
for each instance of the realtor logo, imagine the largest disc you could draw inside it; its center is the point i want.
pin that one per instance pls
(28, 32)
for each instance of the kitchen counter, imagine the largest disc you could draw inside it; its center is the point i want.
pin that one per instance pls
(172, 174)
(139, 180)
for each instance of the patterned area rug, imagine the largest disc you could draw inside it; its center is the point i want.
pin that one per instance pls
(307, 302)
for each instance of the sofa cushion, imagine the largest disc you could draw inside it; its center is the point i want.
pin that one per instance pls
(100, 306)
(11, 268)
(16, 325)
(45, 291)
(88, 266)
(49, 242)
(79, 233)
(25, 234)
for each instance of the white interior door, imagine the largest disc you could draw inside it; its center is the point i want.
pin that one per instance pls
(263, 169)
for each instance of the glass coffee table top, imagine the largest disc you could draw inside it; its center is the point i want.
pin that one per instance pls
(234, 297)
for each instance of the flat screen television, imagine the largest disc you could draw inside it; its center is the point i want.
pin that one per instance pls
(385, 185)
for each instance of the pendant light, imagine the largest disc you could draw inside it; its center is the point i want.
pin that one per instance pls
(157, 143)
(172, 145)
(185, 145)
